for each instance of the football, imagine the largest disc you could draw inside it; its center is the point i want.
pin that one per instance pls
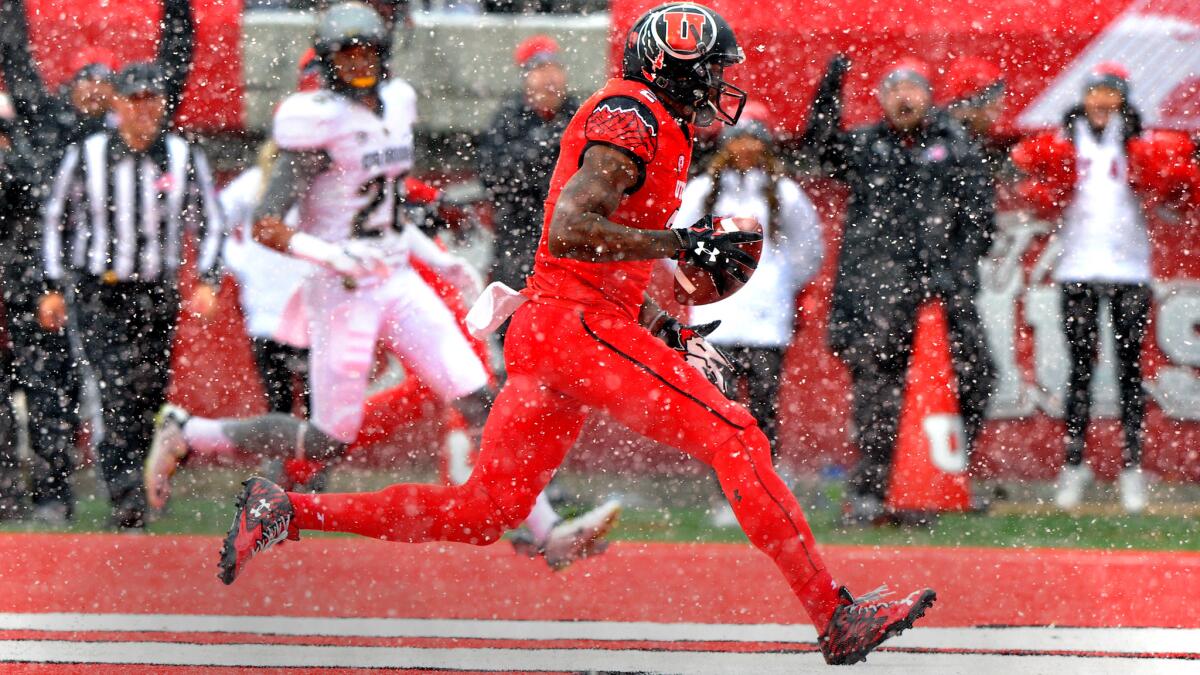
(695, 286)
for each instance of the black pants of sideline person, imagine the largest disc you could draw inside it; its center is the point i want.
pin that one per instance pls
(759, 368)
(283, 368)
(126, 329)
(879, 372)
(43, 368)
(1129, 306)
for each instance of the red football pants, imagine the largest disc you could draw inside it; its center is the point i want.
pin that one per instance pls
(562, 362)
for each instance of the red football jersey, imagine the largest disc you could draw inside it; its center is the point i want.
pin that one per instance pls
(625, 115)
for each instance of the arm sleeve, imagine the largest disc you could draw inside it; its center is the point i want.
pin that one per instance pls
(805, 242)
(291, 175)
(625, 124)
(56, 215)
(175, 48)
(824, 135)
(30, 99)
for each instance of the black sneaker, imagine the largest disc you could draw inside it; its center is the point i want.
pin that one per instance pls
(263, 519)
(861, 624)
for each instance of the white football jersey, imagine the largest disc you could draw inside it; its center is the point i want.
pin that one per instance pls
(370, 154)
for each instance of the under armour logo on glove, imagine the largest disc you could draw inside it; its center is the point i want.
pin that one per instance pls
(712, 253)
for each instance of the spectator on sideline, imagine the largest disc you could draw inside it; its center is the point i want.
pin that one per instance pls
(1101, 173)
(918, 217)
(517, 155)
(746, 178)
(125, 296)
(46, 123)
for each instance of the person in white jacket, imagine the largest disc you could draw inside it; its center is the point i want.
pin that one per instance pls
(745, 178)
(267, 281)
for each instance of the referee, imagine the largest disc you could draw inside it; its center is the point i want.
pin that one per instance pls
(125, 206)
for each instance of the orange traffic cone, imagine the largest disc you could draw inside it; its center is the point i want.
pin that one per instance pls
(929, 465)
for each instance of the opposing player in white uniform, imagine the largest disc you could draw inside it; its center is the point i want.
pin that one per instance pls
(343, 154)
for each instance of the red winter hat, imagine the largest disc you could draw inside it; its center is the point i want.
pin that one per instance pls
(908, 69)
(535, 51)
(1108, 74)
(970, 80)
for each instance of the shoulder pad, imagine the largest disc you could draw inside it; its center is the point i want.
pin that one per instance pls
(306, 120)
(626, 123)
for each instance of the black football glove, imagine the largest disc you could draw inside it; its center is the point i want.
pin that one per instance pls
(699, 353)
(716, 252)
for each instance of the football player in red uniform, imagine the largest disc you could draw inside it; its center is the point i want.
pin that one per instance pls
(587, 336)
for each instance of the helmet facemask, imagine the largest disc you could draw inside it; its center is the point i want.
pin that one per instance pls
(720, 100)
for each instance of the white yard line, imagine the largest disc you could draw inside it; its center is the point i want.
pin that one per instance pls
(700, 663)
(1108, 640)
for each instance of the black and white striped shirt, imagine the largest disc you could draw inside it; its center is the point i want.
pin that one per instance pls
(117, 215)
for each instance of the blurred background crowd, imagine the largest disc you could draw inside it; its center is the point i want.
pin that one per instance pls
(1050, 216)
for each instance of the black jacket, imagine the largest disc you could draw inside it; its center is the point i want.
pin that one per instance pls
(920, 213)
(516, 159)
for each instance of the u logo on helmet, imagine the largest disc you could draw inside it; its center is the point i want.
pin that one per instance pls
(684, 32)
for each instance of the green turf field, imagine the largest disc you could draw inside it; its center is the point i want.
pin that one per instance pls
(678, 510)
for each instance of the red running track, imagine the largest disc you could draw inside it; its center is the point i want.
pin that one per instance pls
(666, 583)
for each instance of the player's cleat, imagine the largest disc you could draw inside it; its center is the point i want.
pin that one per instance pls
(263, 519)
(860, 624)
(168, 449)
(1072, 481)
(573, 539)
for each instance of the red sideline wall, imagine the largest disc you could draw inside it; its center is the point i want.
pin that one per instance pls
(787, 45)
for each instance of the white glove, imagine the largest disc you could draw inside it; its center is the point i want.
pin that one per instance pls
(354, 259)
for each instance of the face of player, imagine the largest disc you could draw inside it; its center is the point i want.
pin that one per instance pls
(905, 104)
(746, 153)
(358, 66)
(1100, 103)
(140, 118)
(92, 97)
(546, 89)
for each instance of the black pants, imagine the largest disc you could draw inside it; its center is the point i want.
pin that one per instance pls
(759, 368)
(126, 329)
(879, 374)
(282, 368)
(1129, 305)
(44, 369)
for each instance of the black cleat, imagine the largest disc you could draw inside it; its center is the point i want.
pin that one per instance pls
(263, 519)
(859, 625)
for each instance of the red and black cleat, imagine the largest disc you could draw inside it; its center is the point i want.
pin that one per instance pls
(861, 624)
(263, 519)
